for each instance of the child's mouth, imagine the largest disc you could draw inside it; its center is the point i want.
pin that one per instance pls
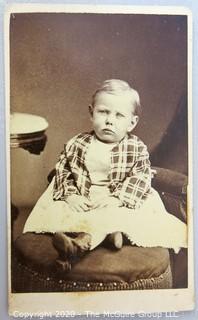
(108, 131)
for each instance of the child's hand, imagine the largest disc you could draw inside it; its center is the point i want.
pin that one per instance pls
(106, 202)
(79, 203)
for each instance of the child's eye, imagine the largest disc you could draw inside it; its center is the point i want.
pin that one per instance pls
(103, 111)
(120, 115)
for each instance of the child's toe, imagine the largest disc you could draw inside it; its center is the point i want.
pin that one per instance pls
(62, 266)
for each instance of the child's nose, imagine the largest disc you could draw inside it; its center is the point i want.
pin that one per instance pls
(109, 119)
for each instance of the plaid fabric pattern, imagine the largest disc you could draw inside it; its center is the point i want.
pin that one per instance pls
(130, 172)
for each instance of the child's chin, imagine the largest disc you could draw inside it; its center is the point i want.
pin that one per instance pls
(107, 140)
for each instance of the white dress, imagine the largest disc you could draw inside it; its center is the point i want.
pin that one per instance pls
(149, 226)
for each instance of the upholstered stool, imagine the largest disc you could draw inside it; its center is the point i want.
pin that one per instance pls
(101, 269)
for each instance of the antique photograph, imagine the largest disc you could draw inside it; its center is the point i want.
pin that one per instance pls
(99, 108)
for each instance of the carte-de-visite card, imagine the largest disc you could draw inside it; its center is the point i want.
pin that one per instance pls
(99, 149)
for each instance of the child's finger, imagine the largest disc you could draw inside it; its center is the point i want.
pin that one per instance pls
(73, 208)
(88, 202)
(84, 207)
(76, 207)
(95, 205)
(99, 205)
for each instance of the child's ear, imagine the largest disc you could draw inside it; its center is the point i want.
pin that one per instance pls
(133, 124)
(91, 110)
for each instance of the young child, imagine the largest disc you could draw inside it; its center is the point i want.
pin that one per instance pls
(102, 186)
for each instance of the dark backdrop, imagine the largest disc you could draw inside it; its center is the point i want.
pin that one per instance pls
(57, 62)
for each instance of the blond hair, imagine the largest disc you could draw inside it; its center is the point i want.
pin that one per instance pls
(119, 87)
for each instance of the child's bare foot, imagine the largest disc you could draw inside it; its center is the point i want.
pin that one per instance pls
(83, 241)
(116, 239)
(64, 245)
(69, 247)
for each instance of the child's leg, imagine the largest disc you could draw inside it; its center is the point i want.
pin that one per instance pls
(71, 247)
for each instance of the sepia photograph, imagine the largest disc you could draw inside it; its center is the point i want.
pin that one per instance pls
(99, 125)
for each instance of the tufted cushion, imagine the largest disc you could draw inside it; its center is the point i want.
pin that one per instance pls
(102, 264)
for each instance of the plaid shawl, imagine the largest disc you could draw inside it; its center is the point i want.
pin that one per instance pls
(130, 172)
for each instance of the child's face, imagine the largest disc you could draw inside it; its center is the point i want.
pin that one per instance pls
(112, 117)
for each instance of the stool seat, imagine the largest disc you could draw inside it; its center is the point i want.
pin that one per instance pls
(101, 269)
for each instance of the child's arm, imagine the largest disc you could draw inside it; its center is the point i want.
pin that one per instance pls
(137, 184)
(64, 184)
(65, 188)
